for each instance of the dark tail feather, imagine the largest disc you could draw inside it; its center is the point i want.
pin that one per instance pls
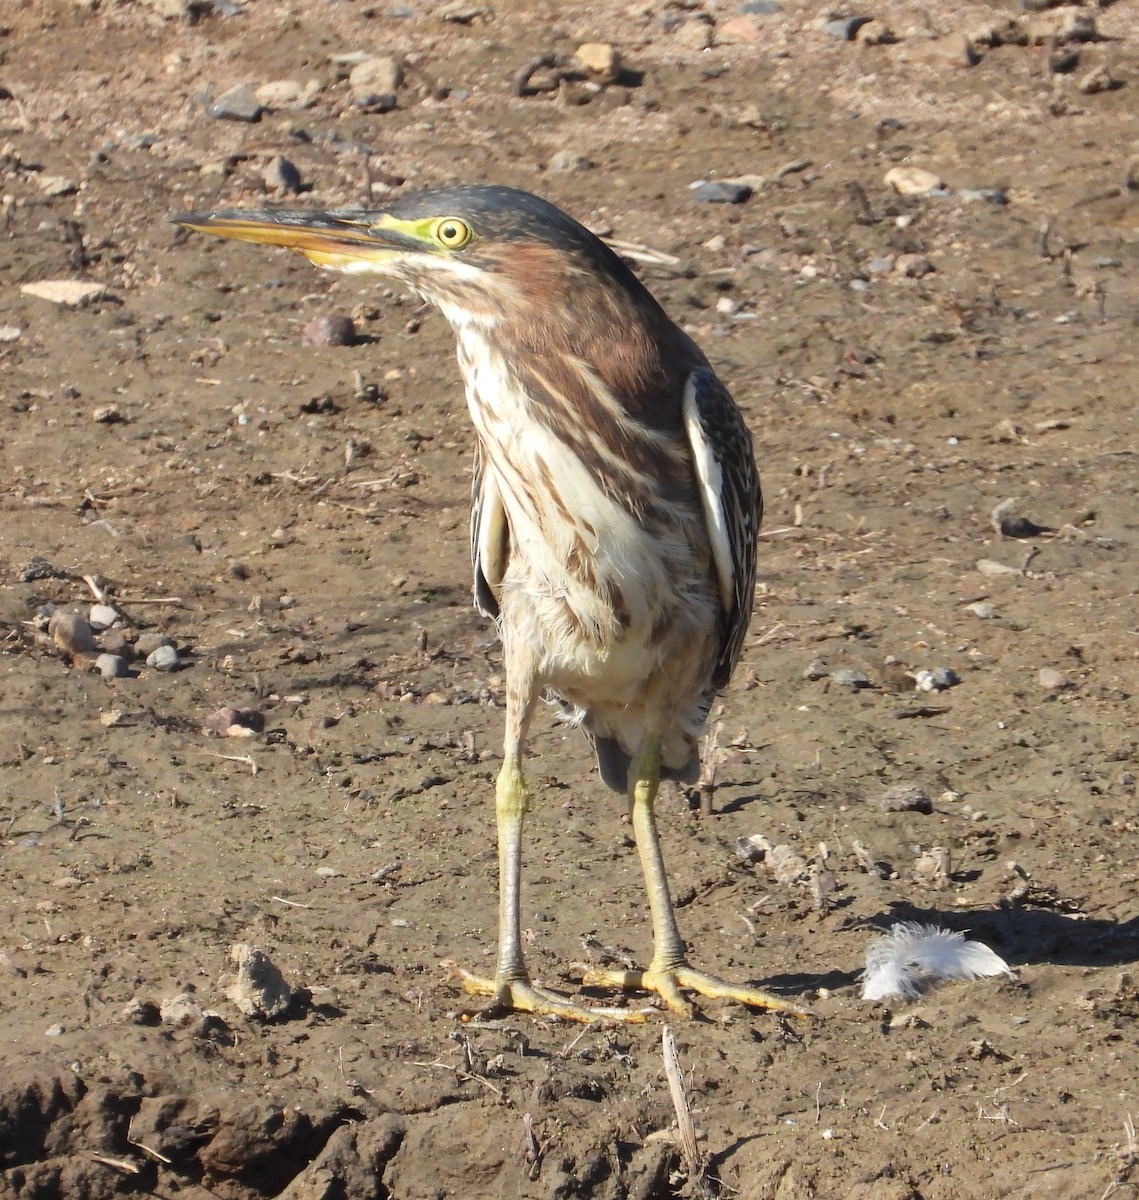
(613, 765)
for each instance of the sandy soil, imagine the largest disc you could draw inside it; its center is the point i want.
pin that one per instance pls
(294, 519)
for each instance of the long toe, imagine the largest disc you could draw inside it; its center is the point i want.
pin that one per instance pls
(520, 995)
(667, 983)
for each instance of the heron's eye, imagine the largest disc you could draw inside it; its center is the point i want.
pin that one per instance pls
(452, 233)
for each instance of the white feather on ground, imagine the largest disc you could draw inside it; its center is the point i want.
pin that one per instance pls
(911, 956)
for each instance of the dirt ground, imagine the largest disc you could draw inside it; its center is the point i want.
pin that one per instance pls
(294, 518)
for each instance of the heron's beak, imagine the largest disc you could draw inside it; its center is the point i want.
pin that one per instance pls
(343, 240)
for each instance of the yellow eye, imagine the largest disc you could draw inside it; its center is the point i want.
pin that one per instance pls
(452, 233)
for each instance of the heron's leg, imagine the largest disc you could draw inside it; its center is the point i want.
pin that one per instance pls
(511, 988)
(668, 971)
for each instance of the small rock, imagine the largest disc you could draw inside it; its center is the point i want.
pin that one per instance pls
(981, 609)
(234, 723)
(141, 1012)
(376, 76)
(1067, 24)
(752, 849)
(721, 191)
(181, 1010)
(846, 677)
(786, 865)
(288, 93)
(982, 195)
(71, 633)
(1054, 681)
(282, 176)
(932, 868)
(258, 989)
(566, 162)
(874, 33)
(54, 1031)
(165, 658)
(695, 34)
(906, 797)
(102, 616)
(912, 181)
(600, 59)
(882, 264)
(992, 568)
(816, 669)
(913, 266)
(108, 414)
(845, 28)
(739, 29)
(1098, 80)
(953, 51)
(10, 333)
(330, 329)
(56, 185)
(238, 104)
(73, 292)
(459, 12)
(945, 678)
(761, 8)
(111, 666)
(148, 642)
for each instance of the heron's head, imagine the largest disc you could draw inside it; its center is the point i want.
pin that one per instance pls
(492, 256)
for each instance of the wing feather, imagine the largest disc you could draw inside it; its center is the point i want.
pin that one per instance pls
(490, 538)
(733, 505)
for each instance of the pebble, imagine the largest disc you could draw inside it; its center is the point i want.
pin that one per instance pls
(1097, 80)
(874, 33)
(10, 333)
(845, 28)
(108, 414)
(282, 176)
(238, 104)
(906, 797)
(102, 616)
(880, 265)
(73, 292)
(753, 848)
(990, 567)
(983, 195)
(981, 609)
(165, 658)
(817, 669)
(181, 1010)
(935, 681)
(232, 722)
(330, 329)
(953, 51)
(71, 633)
(375, 81)
(846, 677)
(695, 34)
(56, 185)
(913, 266)
(148, 642)
(111, 666)
(721, 191)
(761, 8)
(1053, 681)
(288, 93)
(912, 181)
(258, 989)
(739, 29)
(566, 162)
(54, 1031)
(599, 59)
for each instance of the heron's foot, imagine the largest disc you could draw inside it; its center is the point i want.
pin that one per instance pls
(520, 995)
(667, 982)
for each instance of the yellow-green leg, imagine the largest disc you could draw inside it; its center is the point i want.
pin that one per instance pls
(668, 971)
(511, 988)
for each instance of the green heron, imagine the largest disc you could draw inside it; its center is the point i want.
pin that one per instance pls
(616, 505)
